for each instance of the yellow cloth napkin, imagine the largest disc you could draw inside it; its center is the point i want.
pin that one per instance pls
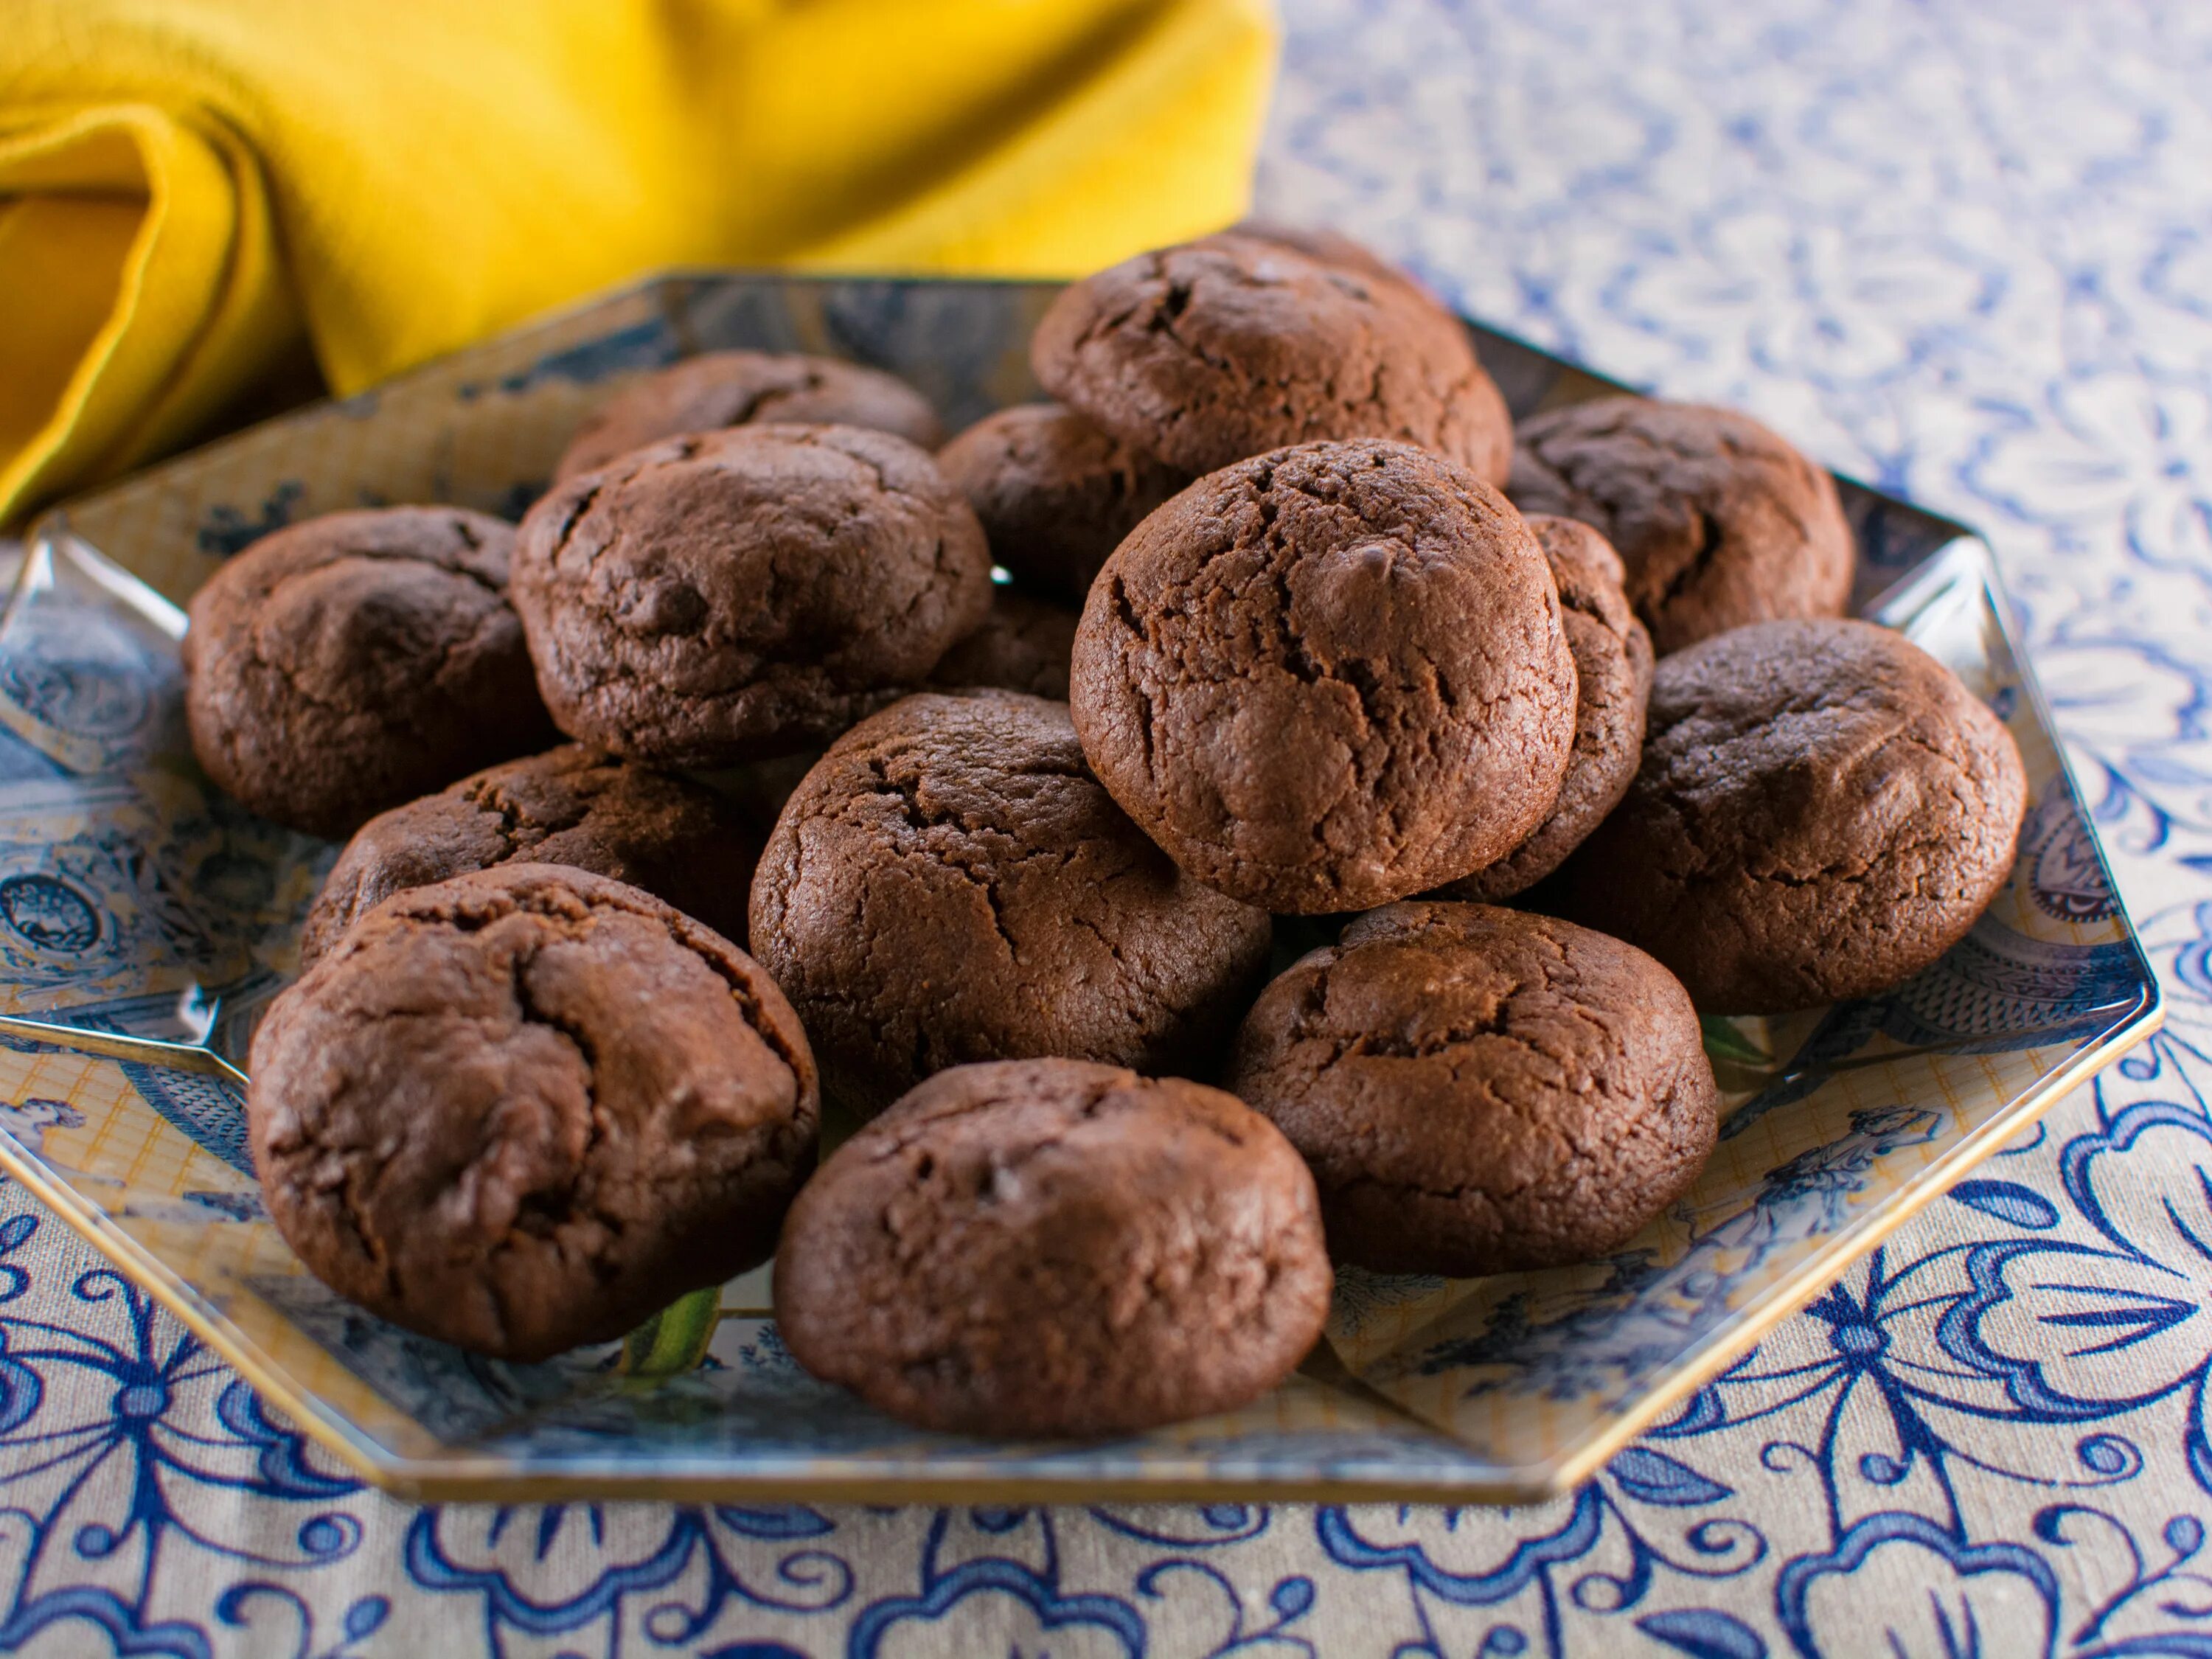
(186, 184)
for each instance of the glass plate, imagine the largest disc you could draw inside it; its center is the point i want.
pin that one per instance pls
(144, 920)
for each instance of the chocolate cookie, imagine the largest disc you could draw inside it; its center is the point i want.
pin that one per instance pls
(526, 1107)
(1823, 810)
(1023, 645)
(1612, 676)
(1050, 1247)
(950, 883)
(574, 805)
(748, 388)
(1056, 494)
(1479, 1091)
(1330, 247)
(1718, 520)
(1220, 348)
(356, 660)
(735, 594)
(1328, 677)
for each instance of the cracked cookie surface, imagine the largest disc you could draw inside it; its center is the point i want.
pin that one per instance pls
(747, 388)
(1822, 810)
(1612, 678)
(574, 805)
(353, 661)
(1208, 352)
(1056, 494)
(525, 1109)
(1719, 520)
(1328, 677)
(1053, 1247)
(949, 884)
(1479, 1089)
(1024, 645)
(732, 595)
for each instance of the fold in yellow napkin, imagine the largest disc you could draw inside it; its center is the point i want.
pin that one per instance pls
(186, 184)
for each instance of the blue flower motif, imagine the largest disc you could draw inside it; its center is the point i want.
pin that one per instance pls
(1020, 1605)
(521, 1563)
(112, 1428)
(1967, 1599)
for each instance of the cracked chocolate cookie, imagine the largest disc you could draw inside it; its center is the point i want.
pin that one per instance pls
(1718, 520)
(1056, 494)
(1328, 677)
(1223, 347)
(1023, 645)
(732, 595)
(574, 805)
(1051, 1248)
(1822, 810)
(356, 660)
(1479, 1090)
(525, 1109)
(1613, 676)
(748, 388)
(950, 883)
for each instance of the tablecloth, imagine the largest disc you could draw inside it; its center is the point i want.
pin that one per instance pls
(1962, 250)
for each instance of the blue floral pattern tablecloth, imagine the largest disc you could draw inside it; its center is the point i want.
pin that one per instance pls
(1964, 251)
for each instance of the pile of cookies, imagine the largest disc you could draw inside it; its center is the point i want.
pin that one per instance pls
(988, 878)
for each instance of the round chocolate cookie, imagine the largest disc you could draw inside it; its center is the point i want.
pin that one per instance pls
(524, 1108)
(1612, 675)
(1223, 347)
(1328, 677)
(748, 388)
(356, 660)
(1054, 492)
(949, 884)
(735, 594)
(1718, 520)
(574, 805)
(1051, 1248)
(1479, 1089)
(1823, 810)
(1023, 645)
